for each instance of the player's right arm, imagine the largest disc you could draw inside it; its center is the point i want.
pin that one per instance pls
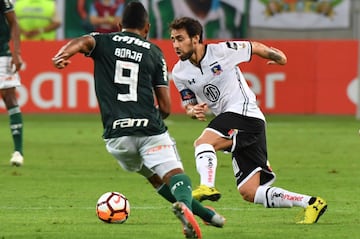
(84, 44)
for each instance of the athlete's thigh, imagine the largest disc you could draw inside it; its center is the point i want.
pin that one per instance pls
(250, 157)
(224, 126)
(126, 151)
(160, 154)
(215, 138)
(248, 149)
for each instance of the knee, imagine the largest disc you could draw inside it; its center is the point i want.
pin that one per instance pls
(217, 142)
(196, 143)
(199, 141)
(155, 181)
(171, 173)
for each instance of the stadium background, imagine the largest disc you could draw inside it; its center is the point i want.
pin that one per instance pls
(67, 168)
(320, 77)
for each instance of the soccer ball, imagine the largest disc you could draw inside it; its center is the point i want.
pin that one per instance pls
(113, 207)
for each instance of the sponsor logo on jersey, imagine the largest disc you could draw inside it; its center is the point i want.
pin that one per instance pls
(129, 122)
(211, 92)
(94, 33)
(158, 148)
(132, 40)
(235, 45)
(164, 70)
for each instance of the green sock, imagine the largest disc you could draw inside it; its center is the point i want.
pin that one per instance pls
(16, 127)
(201, 211)
(197, 208)
(164, 191)
(180, 185)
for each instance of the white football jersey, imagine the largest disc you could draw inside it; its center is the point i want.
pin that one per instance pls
(218, 80)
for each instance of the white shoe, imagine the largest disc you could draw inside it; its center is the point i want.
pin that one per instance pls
(17, 159)
(217, 220)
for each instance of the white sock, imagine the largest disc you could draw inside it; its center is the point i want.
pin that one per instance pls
(279, 198)
(206, 163)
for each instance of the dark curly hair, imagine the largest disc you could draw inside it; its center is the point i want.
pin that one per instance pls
(134, 16)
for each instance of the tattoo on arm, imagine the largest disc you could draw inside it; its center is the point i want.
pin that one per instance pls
(274, 56)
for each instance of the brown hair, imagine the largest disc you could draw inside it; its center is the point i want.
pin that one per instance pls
(191, 26)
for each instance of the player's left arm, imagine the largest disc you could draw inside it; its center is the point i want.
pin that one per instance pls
(163, 100)
(83, 44)
(274, 55)
(161, 83)
(15, 38)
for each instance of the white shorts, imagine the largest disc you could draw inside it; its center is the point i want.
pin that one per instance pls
(8, 79)
(145, 155)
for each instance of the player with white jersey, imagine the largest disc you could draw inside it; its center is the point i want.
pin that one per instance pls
(218, 68)
(208, 77)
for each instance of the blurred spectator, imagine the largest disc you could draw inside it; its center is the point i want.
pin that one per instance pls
(204, 11)
(38, 19)
(220, 18)
(105, 15)
(83, 8)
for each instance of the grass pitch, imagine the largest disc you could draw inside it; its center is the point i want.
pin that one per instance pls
(67, 168)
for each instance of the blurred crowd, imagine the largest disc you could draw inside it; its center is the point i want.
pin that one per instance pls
(225, 19)
(63, 19)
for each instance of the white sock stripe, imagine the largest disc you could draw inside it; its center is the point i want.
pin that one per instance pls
(267, 198)
(14, 110)
(203, 152)
(206, 163)
(204, 148)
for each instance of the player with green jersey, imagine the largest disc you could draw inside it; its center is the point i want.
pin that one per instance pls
(10, 64)
(134, 67)
(128, 71)
(4, 29)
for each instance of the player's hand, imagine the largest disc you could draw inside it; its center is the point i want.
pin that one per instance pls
(16, 63)
(59, 62)
(199, 111)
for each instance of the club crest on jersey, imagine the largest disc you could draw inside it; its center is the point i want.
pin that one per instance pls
(216, 70)
(187, 94)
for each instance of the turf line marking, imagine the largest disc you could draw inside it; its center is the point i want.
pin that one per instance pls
(92, 208)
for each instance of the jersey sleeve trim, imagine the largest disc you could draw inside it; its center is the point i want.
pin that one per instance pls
(89, 54)
(158, 86)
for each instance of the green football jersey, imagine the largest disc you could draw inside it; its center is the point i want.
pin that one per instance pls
(127, 68)
(5, 6)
